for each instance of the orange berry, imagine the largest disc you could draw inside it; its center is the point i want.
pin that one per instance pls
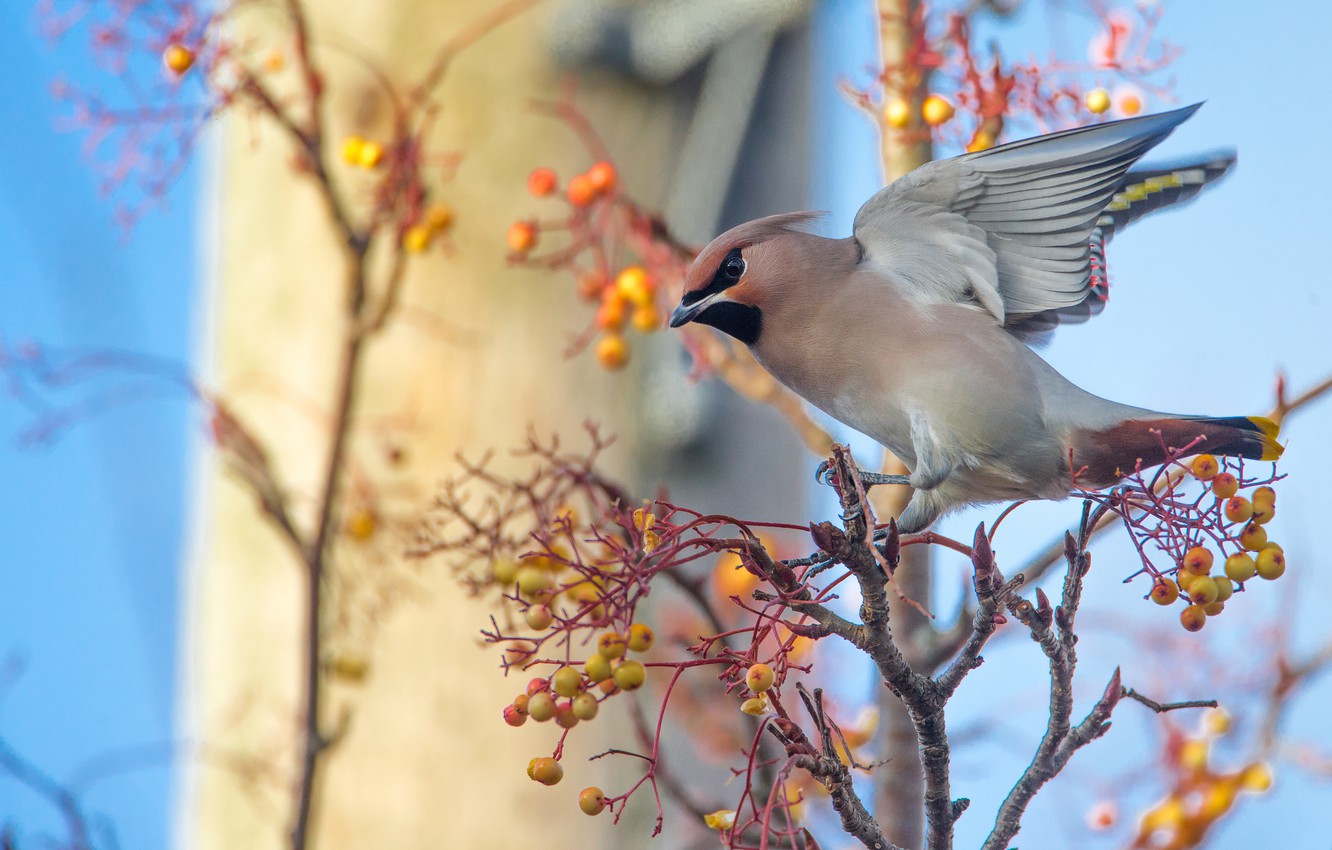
(612, 351)
(602, 176)
(897, 113)
(591, 800)
(178, 58)
(541, 182)
(1205, 467)
(646, 319)
(1164, 592)
(1240, 567)
(1193, 618)
(610, 315)
(1253, 537)
(370, 154)
(1270, 564)
(1263, 513)
(1198, 560)
(1238, 509)
(522, 237)
(630, 675)
(546, 770)
(760, 678)
(591, 285)
(936, 109)
(1097, 100)
(1130, 103)
(439, 216)
(1103, 815)
(1225, 485)
(981, 141)
(520, 703)
(416, 239)
(640, 637)
(580, 190)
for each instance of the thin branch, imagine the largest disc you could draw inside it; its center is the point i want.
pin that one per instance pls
(1163, 707)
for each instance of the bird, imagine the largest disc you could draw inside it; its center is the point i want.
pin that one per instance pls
(920, 329)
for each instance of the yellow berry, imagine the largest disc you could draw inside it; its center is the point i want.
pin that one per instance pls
(612, 351)
(1253, 537)
(416, 239)
(1225, 485)
(760, 678)
(1240, 567)
(1193, 618)
(611, 644)
(755, 706)
(1198, 560)
(1205, 467)
(591, 800)
(351, 149)
(1238, 509)
(178, 58)
(1224, 588)
(370, 155)
(1164, 592)
(1257, 778)
(1202, 590)
(585, 706)
(1211, 609)
(1264, 496)
(546, 770)
(539, 617)
(1216, 721)
(567, 682)
(640, 637)
(1097, 100)
(361, 525)
(1184, 578)
(1271, 564)
(936, 109)
(897, 113)
(541, 706)
(646, 319)
(635, 285)
(1263, 513)
(504, 571)
(597, 668)
(630, 675)
(534, 580)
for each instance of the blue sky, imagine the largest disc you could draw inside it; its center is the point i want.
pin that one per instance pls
(1207, 304)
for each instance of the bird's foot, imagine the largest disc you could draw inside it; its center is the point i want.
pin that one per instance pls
(824, 475)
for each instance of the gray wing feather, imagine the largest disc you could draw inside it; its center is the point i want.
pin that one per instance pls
(1009, 228)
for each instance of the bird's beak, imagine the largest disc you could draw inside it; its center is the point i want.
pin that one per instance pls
(686, 313)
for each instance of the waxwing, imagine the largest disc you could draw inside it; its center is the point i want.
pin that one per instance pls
(916, 329)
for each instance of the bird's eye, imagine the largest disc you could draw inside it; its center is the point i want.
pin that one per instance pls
(733, 268)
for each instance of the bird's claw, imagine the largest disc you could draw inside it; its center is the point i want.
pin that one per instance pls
(824, 475)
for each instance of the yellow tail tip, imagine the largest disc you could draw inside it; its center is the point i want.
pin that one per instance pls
(1271, 449)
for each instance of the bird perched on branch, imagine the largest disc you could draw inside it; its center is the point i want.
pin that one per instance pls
(914, 330)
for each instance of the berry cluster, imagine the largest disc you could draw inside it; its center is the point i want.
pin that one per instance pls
(1217, 539)
(1200, 794)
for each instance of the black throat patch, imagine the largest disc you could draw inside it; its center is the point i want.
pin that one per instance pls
(742, 321)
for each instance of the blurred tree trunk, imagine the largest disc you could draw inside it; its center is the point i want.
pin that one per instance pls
(472, 363)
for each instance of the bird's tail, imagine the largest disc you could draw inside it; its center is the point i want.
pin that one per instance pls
(1102, 458)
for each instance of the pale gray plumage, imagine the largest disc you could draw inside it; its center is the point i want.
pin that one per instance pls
(912, 330)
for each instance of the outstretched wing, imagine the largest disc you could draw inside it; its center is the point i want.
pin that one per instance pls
(1141, 192)
(1009, 228)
